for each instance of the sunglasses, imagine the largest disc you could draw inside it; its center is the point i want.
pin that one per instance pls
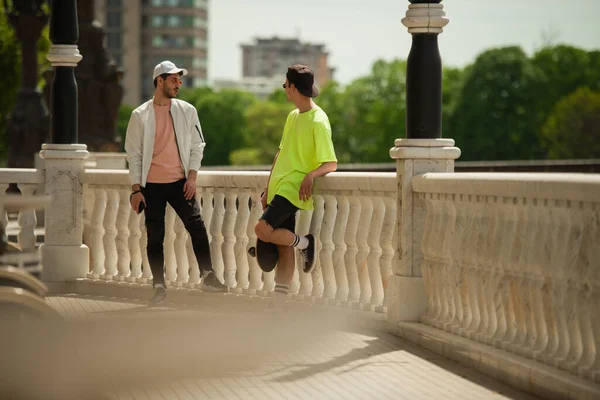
(284, 85)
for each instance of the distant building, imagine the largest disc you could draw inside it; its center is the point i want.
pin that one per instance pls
(142, 33)
(261, 87)
(269, 58)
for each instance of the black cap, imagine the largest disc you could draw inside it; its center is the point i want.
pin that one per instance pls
(303, 78)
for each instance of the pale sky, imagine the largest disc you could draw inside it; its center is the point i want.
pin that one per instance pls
(358, 32)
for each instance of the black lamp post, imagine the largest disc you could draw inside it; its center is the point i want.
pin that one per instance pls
(424, 20)
(64, 56)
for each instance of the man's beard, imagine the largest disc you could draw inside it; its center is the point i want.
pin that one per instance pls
(167, 93)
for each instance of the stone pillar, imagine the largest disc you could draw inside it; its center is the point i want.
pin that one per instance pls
(63, 254)
(422, 151)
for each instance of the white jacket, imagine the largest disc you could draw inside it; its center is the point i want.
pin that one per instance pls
(139, 139)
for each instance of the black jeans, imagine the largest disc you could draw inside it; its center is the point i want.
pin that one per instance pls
(157, 196)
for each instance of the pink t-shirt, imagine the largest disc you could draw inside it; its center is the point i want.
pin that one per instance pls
(166, 164)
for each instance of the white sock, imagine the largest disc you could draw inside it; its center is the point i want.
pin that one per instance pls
(159, 285)
(300, 242)
(280, 294)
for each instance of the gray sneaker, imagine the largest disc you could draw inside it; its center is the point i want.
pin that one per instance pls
(211, 283)
(160, 297)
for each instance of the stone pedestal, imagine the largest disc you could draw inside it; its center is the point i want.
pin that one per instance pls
(63, 254)
(407, 299)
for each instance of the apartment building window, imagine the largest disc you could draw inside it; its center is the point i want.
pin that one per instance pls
(198, 62)
(113, 19)
(113, 40)
(157, 21)
(157, 41)
(174, 21)
(114, 3)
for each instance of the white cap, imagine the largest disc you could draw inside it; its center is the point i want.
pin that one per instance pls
(167, 67)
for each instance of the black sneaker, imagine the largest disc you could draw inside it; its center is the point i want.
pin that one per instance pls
(210, 283)
(308, 255)
(160, 296)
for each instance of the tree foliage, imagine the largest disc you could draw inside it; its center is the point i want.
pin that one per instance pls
(573, 128)
(496, 116)
(505, 106)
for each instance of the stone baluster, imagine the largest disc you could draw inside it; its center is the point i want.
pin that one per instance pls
(110, 234)
(350, 256)
(575, 289)
(240, 247)
(507, 278)
(557, 337)
(135, 251)
(216, 226)
(229, 239)
(194, 268)
(499, 300)
(388, 239)
(326, 253)
(122, 239)
(316, 224)
(339, 266)
(374, 257)
(427, 269)
(518, 270)
(181, 254)
(567, 315)
(531, 254)
(207, 203)
(482, 303)
(366, 214)
(168, 245)
(256, 274)
(27, 220)
(3, 213)
(438, 274)
(98, 253)
(303, 228)
(589, 298)
(146, 270)
(295, 283)
(470, 274)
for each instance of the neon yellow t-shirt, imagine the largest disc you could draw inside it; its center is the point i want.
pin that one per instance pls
(305, 145)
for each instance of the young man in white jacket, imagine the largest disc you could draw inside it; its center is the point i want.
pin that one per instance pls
(165, 145)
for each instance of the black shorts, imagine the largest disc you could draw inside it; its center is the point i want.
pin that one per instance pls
(281, 213)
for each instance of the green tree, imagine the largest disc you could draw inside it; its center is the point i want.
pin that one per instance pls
(563, 69)
(9, 67)
(373, 114)
(265, 122)
(573, 128)
(122, 122)
(452, 81)
(223, 118)
(495, 117)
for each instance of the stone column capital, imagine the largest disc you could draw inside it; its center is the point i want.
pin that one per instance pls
(425, 18)
(64, 55)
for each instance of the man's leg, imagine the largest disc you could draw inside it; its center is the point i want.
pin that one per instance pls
(270, 229)
(283, 274)
(156, 202)
(189, 212)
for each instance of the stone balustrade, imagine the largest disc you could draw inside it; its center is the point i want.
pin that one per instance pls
(512, 261)
(28, 180)
(354, 218)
